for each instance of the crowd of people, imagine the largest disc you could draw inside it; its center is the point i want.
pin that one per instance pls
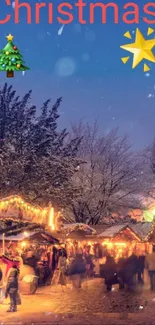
(129, 270)
(46, 261)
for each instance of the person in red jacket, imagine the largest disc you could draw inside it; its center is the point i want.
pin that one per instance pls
(12, 287)
(9, 263)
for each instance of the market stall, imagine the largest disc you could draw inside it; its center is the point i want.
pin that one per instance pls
(77, 236)
(146, 233)
(82, 239)
(27, 243)
(119, 240)
(16, 208)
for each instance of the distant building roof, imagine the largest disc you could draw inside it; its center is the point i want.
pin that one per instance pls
(40, 236)
(100, 228)
(142, 229)
(110, 232)
(74, 227)
(113, 231)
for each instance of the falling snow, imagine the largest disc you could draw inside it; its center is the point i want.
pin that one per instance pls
(60, 31)
(150, 96)
(65, 67)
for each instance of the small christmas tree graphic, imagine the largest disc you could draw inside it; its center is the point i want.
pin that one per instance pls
(10, 59)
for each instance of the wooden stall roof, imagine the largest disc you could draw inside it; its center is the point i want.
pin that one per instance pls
(42, 237)
(113, 231)
(100, 228)
(77, 235)
(72, 227)
(144, 230)
(35, 236)
(12, 227)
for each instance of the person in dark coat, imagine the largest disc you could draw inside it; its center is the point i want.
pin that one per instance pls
(77, 266)
(110, 272)
(120, 270)
(130, 270)
(12, 288)
(1, 274)
(54, 259)
(141, 267)
(76, 269)
(89, 264)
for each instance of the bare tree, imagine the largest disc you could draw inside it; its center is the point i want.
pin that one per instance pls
(111, 178)
(149, 170)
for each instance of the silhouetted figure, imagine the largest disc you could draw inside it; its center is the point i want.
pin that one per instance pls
(121, 273)
(12, 287)
(76, 269)
(1, 274)
(150, 266)
(89, 264)
(110, 272)
(141, 266)
(54, 259)
(130, 270)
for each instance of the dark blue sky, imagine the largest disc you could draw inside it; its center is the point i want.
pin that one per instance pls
(83, 65)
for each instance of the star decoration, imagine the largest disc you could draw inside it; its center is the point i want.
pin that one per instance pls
(9, 37)
(141, 49)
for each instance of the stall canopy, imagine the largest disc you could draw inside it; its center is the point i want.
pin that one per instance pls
(41, 237)
(145, 230)
(11, 227)
(78, 231)
(119, 232)
(17, 208)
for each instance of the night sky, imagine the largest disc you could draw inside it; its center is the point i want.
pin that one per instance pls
(83, 65)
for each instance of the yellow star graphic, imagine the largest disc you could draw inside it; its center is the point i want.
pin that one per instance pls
(141, 49)
(9, 37)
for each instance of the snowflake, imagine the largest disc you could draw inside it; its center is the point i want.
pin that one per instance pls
(65, 67)
(60, 31)
(150, 96)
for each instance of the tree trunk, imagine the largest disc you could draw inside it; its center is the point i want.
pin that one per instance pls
(10, 74)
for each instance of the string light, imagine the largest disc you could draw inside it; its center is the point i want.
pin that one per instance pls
(150, 232)
(4, 203)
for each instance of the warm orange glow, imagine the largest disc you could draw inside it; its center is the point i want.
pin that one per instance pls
(38, 212)
(120, 244)
(23, 244)
(51, 222)
(110, 244)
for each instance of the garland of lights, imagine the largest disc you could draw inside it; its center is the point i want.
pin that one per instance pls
(150, 232)
(6, 202)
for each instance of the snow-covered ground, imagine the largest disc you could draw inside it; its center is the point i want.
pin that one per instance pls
(89, 305)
